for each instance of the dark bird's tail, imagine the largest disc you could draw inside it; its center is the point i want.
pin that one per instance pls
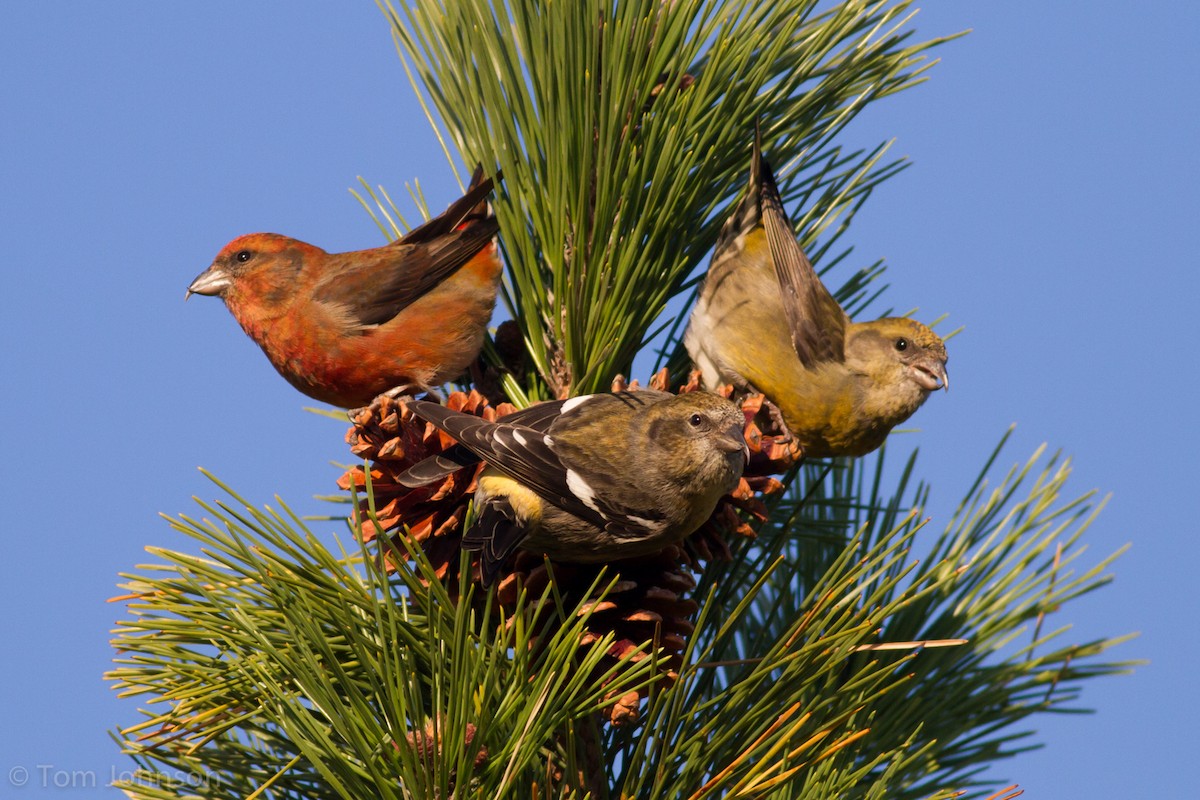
(437, 467)
(495, 535)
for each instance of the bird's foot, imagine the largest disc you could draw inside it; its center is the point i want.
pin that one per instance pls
(411, 389)
(783, 447)
(785, 433)
(780, 431)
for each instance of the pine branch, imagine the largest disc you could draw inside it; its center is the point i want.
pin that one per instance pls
(937, 716)
(623, 131)
(272, 665)
(279, 660)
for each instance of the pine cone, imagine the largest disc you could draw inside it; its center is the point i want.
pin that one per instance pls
(425, 743)
(394, 439)
(648, 601)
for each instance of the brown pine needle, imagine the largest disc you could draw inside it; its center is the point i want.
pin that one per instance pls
(915, 645)
(833, 748)
(918, 644)
(745, 754)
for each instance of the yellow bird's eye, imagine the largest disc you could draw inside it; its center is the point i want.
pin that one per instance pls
(902, 344)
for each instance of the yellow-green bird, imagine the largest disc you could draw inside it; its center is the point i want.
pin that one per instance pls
(595, 478)
(764, 322)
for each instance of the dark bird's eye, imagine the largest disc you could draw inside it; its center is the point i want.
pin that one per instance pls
(902, 344)
(242, 256)
(694, 420)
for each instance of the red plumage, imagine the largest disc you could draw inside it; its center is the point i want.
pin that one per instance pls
(345, 327)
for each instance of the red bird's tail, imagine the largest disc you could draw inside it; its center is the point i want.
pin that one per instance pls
(471, 207)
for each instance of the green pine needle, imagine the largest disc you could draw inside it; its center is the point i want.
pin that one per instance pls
(271, 662)
(624, 130)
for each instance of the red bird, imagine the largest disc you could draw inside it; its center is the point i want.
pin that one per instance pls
(346, 327)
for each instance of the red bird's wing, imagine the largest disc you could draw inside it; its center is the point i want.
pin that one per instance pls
(817, 322)
(373, 286)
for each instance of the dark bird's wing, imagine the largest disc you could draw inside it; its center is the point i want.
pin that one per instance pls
(817, 322)
(524, 454)
(602, 450)
(584, 482)
(374, 286)
(539, 417)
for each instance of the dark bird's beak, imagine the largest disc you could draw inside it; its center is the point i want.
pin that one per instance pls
(932, 375)
(733, 441)
(213, 280)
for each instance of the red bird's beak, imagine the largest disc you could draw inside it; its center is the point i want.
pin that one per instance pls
(213, 280)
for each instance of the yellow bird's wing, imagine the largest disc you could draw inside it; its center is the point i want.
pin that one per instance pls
(817, 322)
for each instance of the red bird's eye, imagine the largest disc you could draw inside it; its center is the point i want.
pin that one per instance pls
(243, 256)
(902, 344)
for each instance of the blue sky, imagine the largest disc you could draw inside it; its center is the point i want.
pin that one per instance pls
(1052, 210)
